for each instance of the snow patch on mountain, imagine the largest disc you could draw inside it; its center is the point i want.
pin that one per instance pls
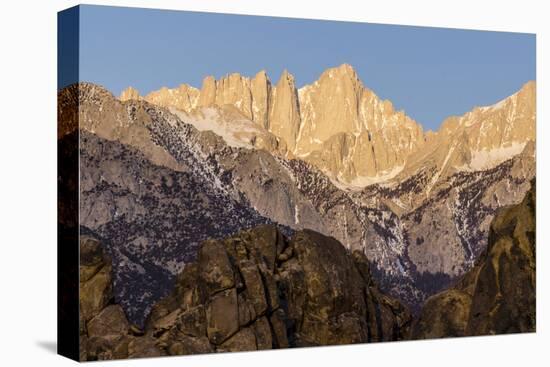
(238, 133)
(360, 182)
(488, 158)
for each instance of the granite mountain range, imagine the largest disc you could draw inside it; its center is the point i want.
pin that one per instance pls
(163, 172)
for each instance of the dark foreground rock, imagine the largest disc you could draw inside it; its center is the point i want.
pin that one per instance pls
(498, 295)
(105, 332)
(255, 290)
(260, 290)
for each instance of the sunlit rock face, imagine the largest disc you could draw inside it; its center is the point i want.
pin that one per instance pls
(330, 156)
(344, 129)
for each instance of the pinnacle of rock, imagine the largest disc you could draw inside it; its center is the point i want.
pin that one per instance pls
(284, 110)
(260, 87)
(352, 135)
(129, 93)
(208, 92)
(379, 139)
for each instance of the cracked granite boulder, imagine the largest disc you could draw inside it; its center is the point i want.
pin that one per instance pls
(260, 290)
(105, 332)
(254, 290)
(498, 295)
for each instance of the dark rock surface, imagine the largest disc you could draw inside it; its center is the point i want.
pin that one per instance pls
(498, 295)
(153, 187)
(150, 218)
(254, 290)
(260, 290)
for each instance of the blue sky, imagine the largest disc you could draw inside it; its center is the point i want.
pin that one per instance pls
(431, 73)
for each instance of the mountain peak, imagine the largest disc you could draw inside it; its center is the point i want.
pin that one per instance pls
(341, 71)
(183, 97)
(528, 90)
(129, 93)
(345, 69)
(287, 78)
(261, 74)
(209, 79)
(344, 128)
(529, 85)
(184, 86)
(336, 104)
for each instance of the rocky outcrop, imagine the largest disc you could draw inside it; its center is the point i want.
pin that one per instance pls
(499, 126)
(504, 296)
(92, 108)
(443, 315)
(156, 181)
(284, 112)
(260, 87)
(260, 290)
(254, 290)
(357, 139)
(418, 243)
(335, 123)
(183, 98)
(498, 295)
(251, 97)
(129, 94)
(477, 141)
(151, 218)
(236, 130)
(232, 89)
(350, 133)
(96, 281)
(105, 332)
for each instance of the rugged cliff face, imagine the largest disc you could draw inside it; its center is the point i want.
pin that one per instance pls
(137, 155)
(105, 332)
(351, 134)
(151, 218)
(183, 98)
(477, 141)
(255, 290)
(335, 123)
(355, 138)
(259, 289)
(170, 183)
(131, 93)
(150, 209)
(499, 294)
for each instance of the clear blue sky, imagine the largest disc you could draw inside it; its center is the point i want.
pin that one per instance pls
(431, 73)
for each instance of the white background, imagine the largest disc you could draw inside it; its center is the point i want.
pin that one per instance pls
(28, 181)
